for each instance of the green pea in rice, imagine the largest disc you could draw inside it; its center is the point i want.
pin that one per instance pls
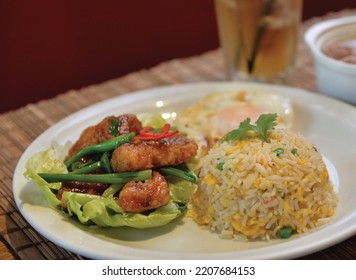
(252, 189)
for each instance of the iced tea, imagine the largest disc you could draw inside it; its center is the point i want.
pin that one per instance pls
(259, 37)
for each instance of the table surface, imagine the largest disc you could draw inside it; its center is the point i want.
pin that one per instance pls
(18, 240)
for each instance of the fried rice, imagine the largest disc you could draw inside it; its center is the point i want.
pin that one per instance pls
(252, 189)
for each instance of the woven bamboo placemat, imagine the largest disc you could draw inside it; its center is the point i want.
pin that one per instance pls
(19, 128)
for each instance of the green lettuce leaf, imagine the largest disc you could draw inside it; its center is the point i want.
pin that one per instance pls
(181, 191)
(47, 161)
(151, 119)
(106, 212)
(100, 210)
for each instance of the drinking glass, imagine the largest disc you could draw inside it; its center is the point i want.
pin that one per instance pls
(258, 37)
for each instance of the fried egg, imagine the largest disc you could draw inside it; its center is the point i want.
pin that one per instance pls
(217, 114)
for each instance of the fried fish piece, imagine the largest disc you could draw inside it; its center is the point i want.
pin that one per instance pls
(141, 154)
(137, 197)
(101, 132)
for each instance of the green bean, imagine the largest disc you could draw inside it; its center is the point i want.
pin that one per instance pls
(112, 189)
(88, 168)
(181, 172)
(105, 146)
(113, 178)
(105, 162)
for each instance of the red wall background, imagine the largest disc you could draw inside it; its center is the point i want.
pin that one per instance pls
(49, 47)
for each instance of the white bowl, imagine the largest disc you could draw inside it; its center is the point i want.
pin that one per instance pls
(334, 77)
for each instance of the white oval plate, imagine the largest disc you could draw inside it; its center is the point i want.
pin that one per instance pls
(330, 124)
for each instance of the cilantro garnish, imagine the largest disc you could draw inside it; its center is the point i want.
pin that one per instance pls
(114, 127)
(264, 123)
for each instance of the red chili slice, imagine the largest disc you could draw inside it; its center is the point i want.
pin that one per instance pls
(145, 133)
